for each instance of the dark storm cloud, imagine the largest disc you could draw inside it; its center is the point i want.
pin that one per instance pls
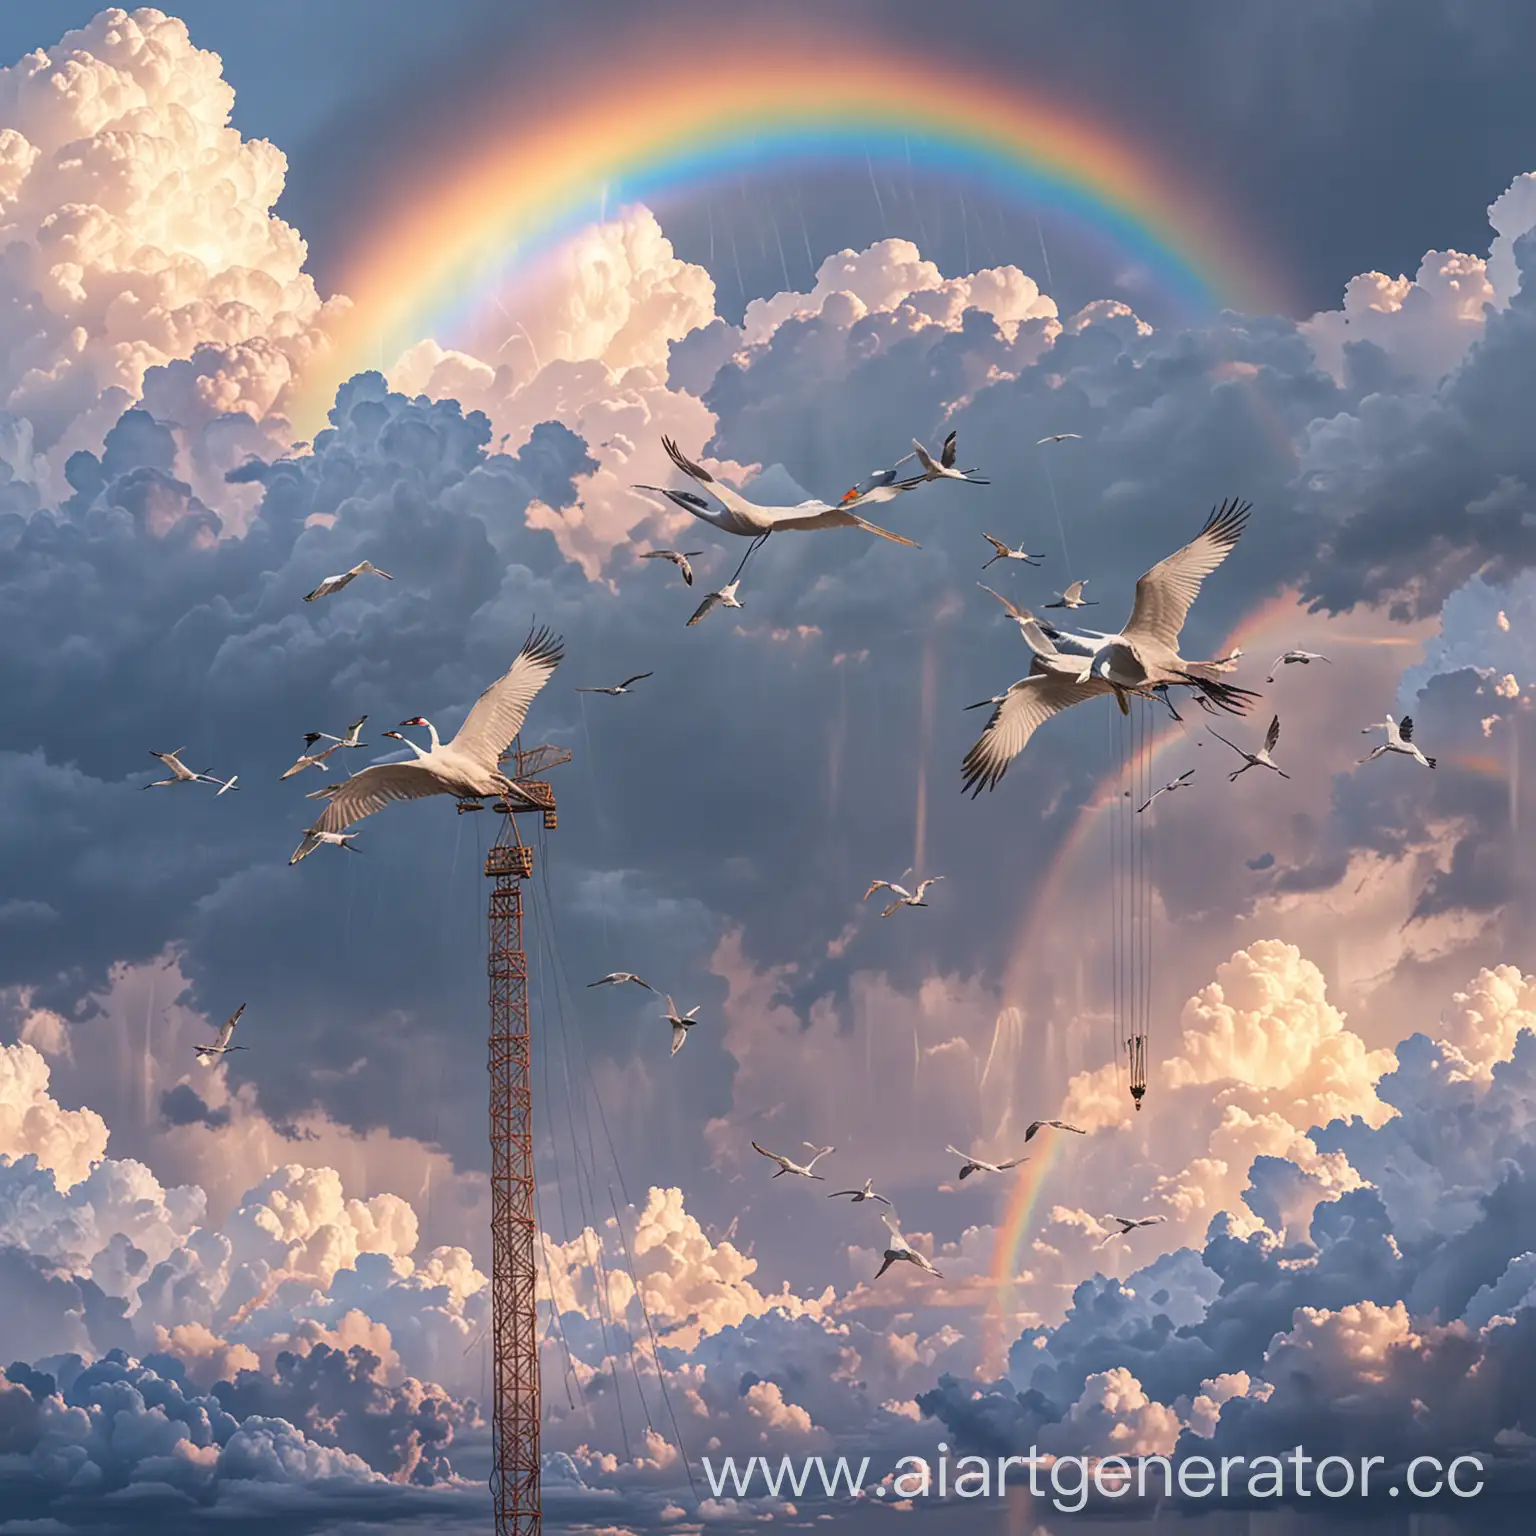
(183, 1105)
(1392, 806)
(124, 1429)
(1437, 486)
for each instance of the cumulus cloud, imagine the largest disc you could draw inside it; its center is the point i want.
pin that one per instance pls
(144, 261)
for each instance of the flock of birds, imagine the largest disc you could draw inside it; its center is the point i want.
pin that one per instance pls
(899, 1249)
(1142, 659)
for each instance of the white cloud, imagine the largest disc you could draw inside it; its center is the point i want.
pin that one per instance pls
(64, 1141)
(139, 230)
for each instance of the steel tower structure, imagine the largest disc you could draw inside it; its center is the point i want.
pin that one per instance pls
(514, 1234)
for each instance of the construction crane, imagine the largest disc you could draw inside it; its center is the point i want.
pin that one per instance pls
(514, 1233)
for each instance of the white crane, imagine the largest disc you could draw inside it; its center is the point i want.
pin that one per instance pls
(1128, 1224)
(681, 1023)
(678, 557)
(901, 1249)
(1294, 658)
(1073, 597)
(313, 840)
(311, 759)
(619, 688)
(1006, 552)
(748, 519)
(944, 468)
(1259, 759)
(618, 978)
(1058, 437)
(336, 583)
(468, 767)
(786, 1165)
(973, 1164)
(1182, 782)
(867, 1192)
(208, 1054)
(1146, 650)
(904, 897)
(225, 785)
(1399, 739)
(1054, 1125)
(724, 598)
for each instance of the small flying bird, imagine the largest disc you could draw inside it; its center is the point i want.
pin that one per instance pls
(725, 597)
(309, 759)
(181, 774)
(1182, 782)
(314, 839)
(619, 688)
(1129, 1224)
(208, 1054)
(618, 978)
(973, 1164)
(1292, 658)
(787, 1166)
(1259, 759)
(902, 1249)
(681, 1023)
(350, 739)
(1055, 1125)
(1073, 597)
(224, 784)
(468, 767)
(1058, 437)
(904, 897)
(678, 557)
(944, 469)
(1004, 552)
(336, 583)
(1399, 739)
(866, 1193)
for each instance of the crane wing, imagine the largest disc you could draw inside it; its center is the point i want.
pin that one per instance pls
(1165, 593)
(703, 608)
(227, 1028)
(1405, 728)
(498, 714)
(374, 788)
(1272, 735)
(728, 498)
(889, 1218)
(947, 454)
(1026, 706)
(1021, 614)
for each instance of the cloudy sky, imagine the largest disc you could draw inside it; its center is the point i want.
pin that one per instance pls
(258, 1292)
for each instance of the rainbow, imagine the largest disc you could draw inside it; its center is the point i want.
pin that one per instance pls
(448, 244)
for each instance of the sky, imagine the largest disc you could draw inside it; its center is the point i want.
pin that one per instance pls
(286, 292)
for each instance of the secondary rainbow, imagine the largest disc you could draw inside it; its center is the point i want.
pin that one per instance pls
(650, 128)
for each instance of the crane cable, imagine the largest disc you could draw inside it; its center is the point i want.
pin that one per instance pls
(563, 979)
